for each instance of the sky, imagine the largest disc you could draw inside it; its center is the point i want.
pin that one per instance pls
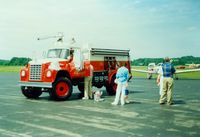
(149, 28)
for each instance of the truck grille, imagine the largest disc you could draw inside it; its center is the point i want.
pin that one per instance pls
(35, 72)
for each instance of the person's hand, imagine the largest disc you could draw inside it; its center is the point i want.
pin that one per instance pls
(126, 84)
(158, 81)
(116, 81)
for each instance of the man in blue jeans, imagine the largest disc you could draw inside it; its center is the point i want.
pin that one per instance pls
(168, 82)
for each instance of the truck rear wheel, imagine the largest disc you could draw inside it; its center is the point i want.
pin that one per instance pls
(112, 86)
(31, 92)
(81, 88)
(62, 89)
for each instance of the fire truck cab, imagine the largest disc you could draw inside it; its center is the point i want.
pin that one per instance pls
(64, 67)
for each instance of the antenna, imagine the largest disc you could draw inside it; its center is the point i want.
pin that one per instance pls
(60, 37)
(73, 41)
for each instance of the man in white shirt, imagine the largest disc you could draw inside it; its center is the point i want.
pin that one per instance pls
(160, 80)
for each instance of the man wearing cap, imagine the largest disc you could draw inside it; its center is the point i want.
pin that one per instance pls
(168, 82)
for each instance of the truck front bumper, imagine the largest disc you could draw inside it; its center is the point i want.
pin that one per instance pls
(36, 84)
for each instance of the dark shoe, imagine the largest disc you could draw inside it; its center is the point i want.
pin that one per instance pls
(170, 103)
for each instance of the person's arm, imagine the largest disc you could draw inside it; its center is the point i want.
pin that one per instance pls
(117, 74)
(173, 69)
(126, 84)
(127, 76)
(160, 73)
(158, 79)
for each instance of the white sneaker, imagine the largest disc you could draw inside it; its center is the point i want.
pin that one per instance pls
(127, 101)
(85, 98)
(113, 103)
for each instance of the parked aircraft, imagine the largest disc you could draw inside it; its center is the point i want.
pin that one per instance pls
(193, 65)
(152, 68)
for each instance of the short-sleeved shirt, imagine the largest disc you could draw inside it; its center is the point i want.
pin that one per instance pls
(168, 70)
(122, 74)
(160, 71)
(89, 71)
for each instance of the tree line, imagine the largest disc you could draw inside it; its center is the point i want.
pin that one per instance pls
(176, 61)
(22, 61)
(15, 61)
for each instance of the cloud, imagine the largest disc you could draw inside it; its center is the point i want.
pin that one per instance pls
(191, 28)
(136, 24)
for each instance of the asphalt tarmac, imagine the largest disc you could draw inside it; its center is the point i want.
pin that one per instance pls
(143, 117)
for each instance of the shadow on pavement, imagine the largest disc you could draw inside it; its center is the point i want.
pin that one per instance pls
(178, 102)
(136, 91)
(134, 102)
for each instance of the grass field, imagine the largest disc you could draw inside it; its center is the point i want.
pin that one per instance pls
(10, 68)
(191, 75)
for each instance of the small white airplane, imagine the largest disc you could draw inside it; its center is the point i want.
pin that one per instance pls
(153, 69)
(193, 65)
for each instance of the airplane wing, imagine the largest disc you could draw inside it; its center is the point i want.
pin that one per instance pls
(144, 71)
(186, 71)
(177, 71)
(150, 73)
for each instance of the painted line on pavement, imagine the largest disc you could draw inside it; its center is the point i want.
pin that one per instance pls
(21, 98)
(12, 133)
(69, 119)
(108, 111)
(55, 130)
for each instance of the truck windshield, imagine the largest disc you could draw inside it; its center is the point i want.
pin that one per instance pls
(58, 53)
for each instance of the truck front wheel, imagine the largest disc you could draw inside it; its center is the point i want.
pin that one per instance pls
(62, 89)
(31, 92)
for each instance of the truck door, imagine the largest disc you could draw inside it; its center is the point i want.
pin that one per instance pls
(78, 59)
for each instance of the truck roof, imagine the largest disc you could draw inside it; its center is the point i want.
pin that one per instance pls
(118, 52)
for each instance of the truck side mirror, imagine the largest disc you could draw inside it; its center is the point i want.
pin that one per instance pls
(78, 59)
(44, 54)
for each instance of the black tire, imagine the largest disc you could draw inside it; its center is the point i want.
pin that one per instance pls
(176, 77)
(62, 89)
(112, 86)
(31, 92)
(99, 86)
(149, 76)
(81, 87)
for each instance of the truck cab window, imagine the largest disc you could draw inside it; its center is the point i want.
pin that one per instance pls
(58, 53)
(64, 53)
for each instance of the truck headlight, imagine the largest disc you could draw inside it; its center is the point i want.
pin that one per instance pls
(54, 66)
(49, 73)
(23, 73)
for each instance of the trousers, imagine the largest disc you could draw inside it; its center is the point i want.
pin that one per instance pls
(88, 87)
(121, 87)
(168, 84)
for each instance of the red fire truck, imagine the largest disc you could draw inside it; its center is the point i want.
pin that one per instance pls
(64, 68)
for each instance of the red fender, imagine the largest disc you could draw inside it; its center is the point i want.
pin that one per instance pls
(110, 75)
